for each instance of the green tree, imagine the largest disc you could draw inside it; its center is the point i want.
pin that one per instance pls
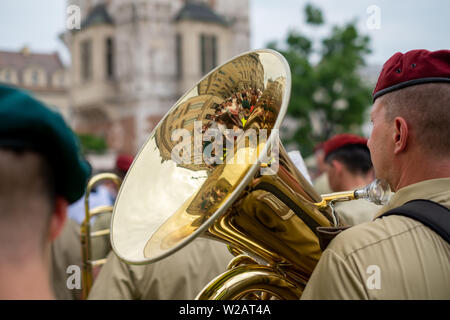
(91, 143)
(328, 96)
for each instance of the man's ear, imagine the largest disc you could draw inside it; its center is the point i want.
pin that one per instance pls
(400, 134)
(58, 218)
(337, 166)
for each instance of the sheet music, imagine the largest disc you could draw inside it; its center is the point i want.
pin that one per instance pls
(297, 159)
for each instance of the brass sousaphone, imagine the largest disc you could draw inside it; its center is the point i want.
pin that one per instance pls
(214, 167)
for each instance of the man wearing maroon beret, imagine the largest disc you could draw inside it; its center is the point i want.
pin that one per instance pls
(395, 256)
(348, 167)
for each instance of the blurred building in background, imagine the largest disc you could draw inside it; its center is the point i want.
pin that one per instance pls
(131, 60)
(42, 74)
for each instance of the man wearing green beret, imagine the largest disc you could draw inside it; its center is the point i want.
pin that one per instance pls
(41, 172)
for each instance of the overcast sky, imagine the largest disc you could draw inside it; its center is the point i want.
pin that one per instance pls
(403, 24)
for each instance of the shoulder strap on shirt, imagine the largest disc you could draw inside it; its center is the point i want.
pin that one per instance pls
(433, 215)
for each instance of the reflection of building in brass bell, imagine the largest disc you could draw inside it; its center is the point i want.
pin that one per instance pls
(177, 190)
(378, 192)
(255, 199)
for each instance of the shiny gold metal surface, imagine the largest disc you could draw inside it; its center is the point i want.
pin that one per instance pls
(87, 235)
(214, 166)
(377, 192)
(239, 282)
(335, 197)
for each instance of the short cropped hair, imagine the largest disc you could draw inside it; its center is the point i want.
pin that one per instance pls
(27, 199)
(426, 107)
(355, 157)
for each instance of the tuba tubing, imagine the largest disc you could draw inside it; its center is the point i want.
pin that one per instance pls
(85, 232)
(182, 185)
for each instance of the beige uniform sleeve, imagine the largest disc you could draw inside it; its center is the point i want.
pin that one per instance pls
(101, 246)
(180, 276)
(65, 252)
(114, 281)
(356, 211)
(334, 279)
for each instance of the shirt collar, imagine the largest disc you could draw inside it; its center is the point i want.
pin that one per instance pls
(428, 189)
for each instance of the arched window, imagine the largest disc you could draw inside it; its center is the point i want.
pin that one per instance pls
(208, 49)
(109, 57)
(34, 77)
(86, 59)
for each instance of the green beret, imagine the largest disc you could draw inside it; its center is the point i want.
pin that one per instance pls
(27, 123)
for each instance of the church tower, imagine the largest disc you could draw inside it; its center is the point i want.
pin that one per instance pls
(133, 59)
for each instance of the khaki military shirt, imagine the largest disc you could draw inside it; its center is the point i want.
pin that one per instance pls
(321, 184)
(101, 246)
(180, 276)
(357, 211)
(66, 251)
(392, 257)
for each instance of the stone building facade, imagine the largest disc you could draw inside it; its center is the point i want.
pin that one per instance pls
(42, 74)
(133, 59)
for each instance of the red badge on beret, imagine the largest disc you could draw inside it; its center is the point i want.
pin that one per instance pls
(342, 140)
(124, 162)
(411, 68)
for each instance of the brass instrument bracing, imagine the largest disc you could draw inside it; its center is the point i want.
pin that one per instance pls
(181, 186)
(86, 235)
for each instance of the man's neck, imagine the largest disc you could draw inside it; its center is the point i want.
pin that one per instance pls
(414, 171)
(23, 282)
(352, 182)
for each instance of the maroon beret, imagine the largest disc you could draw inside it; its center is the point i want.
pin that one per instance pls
(342, 140)
(411, 68)
(124, 162)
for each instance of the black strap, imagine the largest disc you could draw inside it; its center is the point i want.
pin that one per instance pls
(432, 214)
